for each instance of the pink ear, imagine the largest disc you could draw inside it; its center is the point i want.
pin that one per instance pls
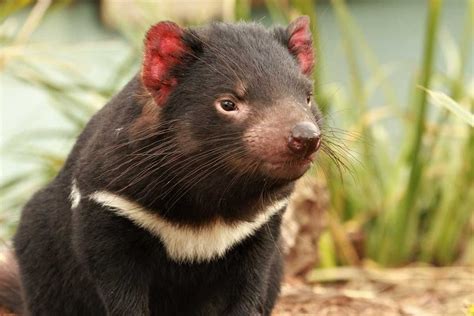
(300, 43)
(164, 49)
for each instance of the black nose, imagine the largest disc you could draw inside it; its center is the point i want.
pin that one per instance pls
(305, 139)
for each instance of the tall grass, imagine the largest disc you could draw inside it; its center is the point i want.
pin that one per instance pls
(409, 204)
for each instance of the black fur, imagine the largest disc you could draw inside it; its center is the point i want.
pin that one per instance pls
(175, 160)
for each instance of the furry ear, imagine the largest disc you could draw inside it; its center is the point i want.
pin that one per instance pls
(297, 38)
(164, 50)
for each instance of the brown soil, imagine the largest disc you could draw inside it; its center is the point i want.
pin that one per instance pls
(413, 291)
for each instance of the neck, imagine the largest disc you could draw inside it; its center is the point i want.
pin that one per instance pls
(209, 198)
(184, 191)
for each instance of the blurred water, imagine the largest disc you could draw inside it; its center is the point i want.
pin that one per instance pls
(393, 28)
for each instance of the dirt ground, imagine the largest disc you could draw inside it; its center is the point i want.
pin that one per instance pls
(411, 291)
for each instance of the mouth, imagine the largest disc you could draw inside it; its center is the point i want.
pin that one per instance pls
(289, 169)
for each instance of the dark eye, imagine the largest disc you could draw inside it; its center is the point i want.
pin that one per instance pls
(308, 99)
(228, 105)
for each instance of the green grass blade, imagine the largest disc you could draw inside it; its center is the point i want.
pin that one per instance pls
(442, 100)
(400, 232)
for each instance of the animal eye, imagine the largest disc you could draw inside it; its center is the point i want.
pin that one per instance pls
(308, 98)
(228, 105)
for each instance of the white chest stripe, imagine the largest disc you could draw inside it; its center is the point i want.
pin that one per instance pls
(186, 243)
(75, 195)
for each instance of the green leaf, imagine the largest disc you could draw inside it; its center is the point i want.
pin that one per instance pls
(443, 100)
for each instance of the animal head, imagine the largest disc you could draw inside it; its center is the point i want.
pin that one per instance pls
(238, 92)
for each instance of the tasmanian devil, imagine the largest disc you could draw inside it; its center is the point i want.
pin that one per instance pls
(171, 200)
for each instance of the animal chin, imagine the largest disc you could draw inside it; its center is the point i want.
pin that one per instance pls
(290, 169)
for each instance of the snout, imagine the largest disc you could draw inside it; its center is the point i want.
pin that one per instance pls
(304, 139)
(284, 147)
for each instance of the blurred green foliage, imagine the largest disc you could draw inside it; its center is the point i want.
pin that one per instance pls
(412, 205)
(11, 6)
